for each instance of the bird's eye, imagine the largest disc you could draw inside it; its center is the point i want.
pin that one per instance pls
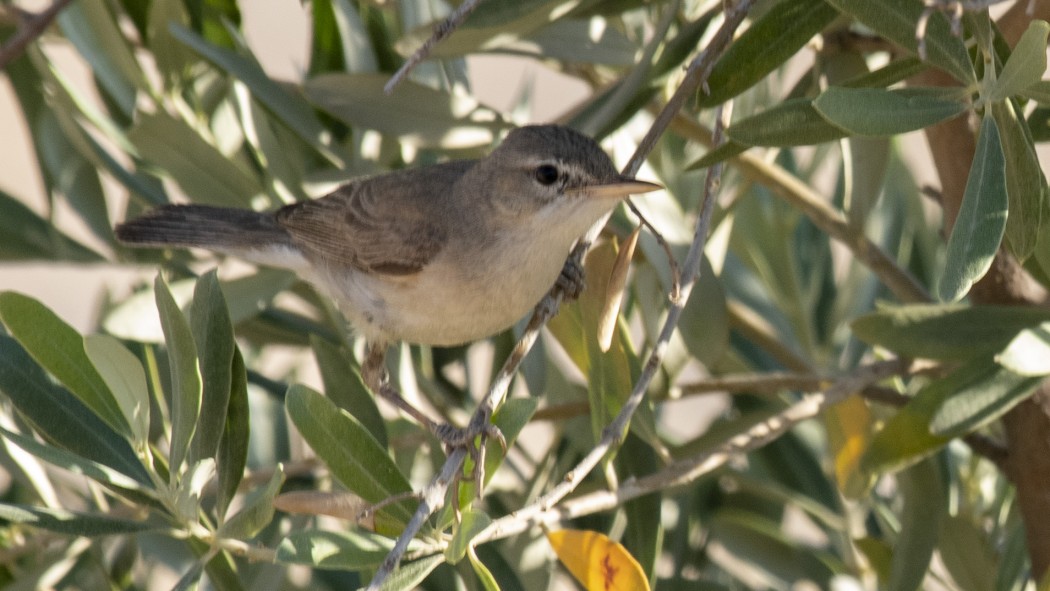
(547, 174)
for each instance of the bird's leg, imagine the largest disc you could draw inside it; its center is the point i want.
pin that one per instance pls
(373, 372)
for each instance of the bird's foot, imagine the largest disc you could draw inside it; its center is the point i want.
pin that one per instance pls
(472, 438)
(571, 280)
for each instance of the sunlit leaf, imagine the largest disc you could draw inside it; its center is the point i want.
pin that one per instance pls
(597, 562)
(185, 374)
(350, 549)
(59, 417)
(415, 113)
(947, 332)
(1028, 354)
(59, 349)
(471, 523)
(256, 512)
(795, 122)
(351, 453)
(896, 20)
(981, 222)
(1026, 184)
(213, 335)
(71, 522)
(344, 386)
(1026, 63)
(876, 111)
(124, 375)
(925, 503)
(764, 46)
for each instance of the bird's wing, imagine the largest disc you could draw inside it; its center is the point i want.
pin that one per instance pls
(384, 224)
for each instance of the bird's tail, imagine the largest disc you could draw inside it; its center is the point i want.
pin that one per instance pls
(248, 234)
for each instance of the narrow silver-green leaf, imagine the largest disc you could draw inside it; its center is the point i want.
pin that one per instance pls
(343, 386)
(1038, 91)
(949, 332)
(878, 112)
(232, 455)
(1026, 184)
(764, 46)
(71, 522)
(290, 109)
(203, 172)
(986, 395)
(59, 349)
(415, 112)
(1026, 63)
(981, 223)
(1028, 354)
(257, 511)
(925, 502)
(213, 335)
(795, 122)
(185, 375)
(896, 20)
(354, 457)
(75, 463)
(126, 379)
(25, 236)
(471, 523)
(59, 417)
(95, 33)
(350, 549)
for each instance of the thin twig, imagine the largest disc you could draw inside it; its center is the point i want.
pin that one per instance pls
(440, 33)
(688, 470)
(30, 29)
(696, 75)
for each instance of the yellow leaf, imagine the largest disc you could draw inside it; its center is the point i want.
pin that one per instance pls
(849, 426)
(597, 562)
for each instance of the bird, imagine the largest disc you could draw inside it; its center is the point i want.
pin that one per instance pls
(439, 255)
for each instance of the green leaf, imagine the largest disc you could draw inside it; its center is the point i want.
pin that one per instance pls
(795, 122)
(344, 386)
(966, 553)
(964, 400)
(410, 575)
(185, 375)
(1038, 92)
(75, 463)
(1026, 63)
(351, 549)
(769, 42)
(290, 109)
(982, 393)
(768, 550)
(95, 33)
(723, 152)
(213, 335)
(354, 457)
(981, 223)
(59, 417)
(925, 502)
(488, 580)
(896, 20)
(200, 169)
(73, 523)
(59, 349)
(415, 113)
(946, 332)
(126, 378)
(257, 511)
(232, 455)
(877, 111)
(1028, 354)
(1025, 182)
(577, 40)
(471, 523)
(25, 236)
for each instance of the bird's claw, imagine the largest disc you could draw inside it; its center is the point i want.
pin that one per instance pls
(571, 280)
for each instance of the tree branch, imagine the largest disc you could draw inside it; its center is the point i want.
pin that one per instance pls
(31, 28)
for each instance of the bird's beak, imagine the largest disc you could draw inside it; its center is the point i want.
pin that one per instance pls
(617, 189)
